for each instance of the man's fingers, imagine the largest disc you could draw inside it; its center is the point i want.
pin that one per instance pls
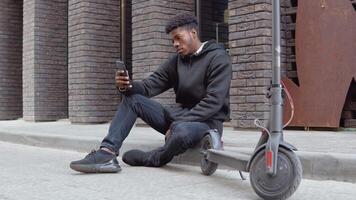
(120, 72)
(118, 76)
(122, 78)
(126, 78)
(120, 82)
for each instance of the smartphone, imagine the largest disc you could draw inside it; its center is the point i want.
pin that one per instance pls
(120, 66)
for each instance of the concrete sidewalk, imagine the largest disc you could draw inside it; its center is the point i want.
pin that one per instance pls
(324, 155)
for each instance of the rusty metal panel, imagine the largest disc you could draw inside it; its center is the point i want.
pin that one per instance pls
(326, 62)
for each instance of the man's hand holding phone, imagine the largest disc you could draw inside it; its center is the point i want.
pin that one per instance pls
(122, 79)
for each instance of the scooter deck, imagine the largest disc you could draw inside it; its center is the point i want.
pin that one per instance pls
(231, 159)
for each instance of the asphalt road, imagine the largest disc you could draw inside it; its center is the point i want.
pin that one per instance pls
(35, 173)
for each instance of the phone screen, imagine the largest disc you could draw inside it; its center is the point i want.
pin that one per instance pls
(120, 65)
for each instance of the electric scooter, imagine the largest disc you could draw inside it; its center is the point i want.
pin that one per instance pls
(275, 170)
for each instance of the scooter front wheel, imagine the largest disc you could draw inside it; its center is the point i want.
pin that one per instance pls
(284, 183)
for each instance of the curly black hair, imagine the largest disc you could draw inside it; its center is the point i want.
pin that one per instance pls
(182, 20)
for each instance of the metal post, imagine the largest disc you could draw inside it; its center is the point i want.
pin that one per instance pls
(198, 14)
(123, 30)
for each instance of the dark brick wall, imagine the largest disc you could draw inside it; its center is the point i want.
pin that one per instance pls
(10, 59)
(44, 60)
(94, 45)
(81, 60)
(250, 40)
(151, 46)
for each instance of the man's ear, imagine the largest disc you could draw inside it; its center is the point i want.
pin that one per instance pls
(194, 33)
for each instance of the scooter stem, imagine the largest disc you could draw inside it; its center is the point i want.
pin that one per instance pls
(276, 42)
(276, 99)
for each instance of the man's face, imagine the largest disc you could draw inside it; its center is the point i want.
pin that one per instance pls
(183, 40)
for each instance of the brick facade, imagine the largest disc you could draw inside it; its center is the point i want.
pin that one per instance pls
(10, 59)
(94, 45)
(250, 37)
(69, 48)
(44, 60)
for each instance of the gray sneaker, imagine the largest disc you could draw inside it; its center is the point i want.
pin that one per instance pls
(99, 161)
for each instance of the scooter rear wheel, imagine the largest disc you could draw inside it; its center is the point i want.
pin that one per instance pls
(284, 183)
(207, 167)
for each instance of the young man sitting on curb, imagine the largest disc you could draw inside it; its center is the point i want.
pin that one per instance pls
(200, 74)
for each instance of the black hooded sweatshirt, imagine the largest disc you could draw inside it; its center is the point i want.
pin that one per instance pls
(201, 83)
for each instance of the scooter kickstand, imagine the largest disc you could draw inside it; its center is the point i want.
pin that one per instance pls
(242, 176)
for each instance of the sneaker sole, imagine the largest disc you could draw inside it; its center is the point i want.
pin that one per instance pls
(96, 168)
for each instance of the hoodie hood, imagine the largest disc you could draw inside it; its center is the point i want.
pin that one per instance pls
(210, 45)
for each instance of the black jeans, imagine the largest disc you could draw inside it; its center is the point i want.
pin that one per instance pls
(184, 135)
